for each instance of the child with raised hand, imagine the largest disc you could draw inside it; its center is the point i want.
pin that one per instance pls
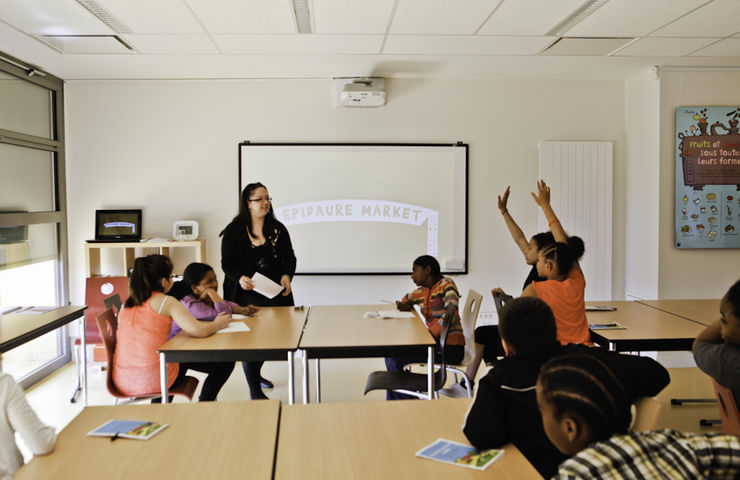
(487, 339)
(717, 347)
(505, 406)
(438, 298)
(586, 413)
(564, 289)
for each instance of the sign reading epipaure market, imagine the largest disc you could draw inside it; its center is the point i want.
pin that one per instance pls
(707, 177)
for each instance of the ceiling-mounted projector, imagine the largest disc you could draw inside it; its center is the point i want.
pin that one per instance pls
(361, 92)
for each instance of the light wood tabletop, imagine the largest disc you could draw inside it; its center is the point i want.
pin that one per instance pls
(647, 328)
(380, 440)
(342, 327)
(702, 311)
(19, 328)
(273, 331)
(204, 440)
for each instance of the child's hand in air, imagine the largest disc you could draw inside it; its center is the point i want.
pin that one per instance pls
(503, 200)
(542, 197)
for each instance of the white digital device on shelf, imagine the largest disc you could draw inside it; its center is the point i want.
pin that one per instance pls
(185, 230)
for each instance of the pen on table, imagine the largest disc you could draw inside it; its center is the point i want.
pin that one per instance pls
(387, 301)
(114, 437)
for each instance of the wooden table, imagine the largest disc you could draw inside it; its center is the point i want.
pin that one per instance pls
(379, 440)
(340, 331)
(703, 311)
(273, 334)
(204, 440)
(647, 328)
(19, 328)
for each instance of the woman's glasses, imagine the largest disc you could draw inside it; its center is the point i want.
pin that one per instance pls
(260, 199)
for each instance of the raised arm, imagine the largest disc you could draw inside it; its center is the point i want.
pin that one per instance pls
(542, 198)
(516, 233)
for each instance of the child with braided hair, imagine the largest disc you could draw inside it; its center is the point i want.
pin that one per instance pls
(585, 411)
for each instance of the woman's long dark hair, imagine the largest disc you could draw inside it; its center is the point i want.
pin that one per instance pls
(245, 218)
(146, 278)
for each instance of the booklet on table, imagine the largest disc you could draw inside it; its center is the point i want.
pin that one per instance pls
(136, 429)
(459, 454)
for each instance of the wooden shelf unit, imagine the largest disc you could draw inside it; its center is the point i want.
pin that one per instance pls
(127, 253)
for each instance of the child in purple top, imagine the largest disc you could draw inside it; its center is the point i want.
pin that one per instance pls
(198, 292)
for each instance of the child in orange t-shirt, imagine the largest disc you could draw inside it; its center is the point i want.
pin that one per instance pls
(564, 287)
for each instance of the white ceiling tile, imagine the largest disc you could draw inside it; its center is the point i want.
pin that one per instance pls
(633, 18)
(245, 16)
(87, 44)
(52, 17)
(585, 46)
(463, 45)
(528, 17)
(172, 44)
(669, 47)
(299, 44)
(719, 18)
(440, 17)
(160, 16)
(729, 47)
(352, 16)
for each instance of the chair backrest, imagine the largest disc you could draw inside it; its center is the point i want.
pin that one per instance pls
(468, 319)
(647, 411)
(113, 301)
(500, 300)
(97, 289)
(727, 409)
(107, 327)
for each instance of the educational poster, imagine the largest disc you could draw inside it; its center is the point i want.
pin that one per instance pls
(707, 177)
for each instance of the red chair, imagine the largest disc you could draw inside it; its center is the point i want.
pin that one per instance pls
(727, 409)
(107, 326)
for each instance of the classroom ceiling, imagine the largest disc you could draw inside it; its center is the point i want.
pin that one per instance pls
(206, 39)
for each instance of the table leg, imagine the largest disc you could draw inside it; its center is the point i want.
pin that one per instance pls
(291, 378)
(430, 372)
(305, 377)
(318, 382)
(83, 359)
(163, 377)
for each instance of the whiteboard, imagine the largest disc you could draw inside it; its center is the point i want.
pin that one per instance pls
(365, 208)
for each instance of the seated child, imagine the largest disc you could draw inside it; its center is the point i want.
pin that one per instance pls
(564, 289)
(717, 347)
(438, 298)
(586, 413)
(505, 406)
(17, 416)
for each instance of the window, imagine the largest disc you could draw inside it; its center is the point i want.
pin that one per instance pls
(33, 218)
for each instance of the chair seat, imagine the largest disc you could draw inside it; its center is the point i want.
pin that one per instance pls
(415, 382)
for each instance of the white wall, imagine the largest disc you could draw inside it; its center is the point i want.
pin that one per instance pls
(642, 125)
(170, 147)
(700, 273)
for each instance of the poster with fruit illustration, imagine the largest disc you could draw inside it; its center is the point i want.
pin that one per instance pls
(707, 177)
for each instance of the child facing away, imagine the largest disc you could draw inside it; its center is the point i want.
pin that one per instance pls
(487, 339)
(564, 289)
(438, 298)
(586, 413)
(717, 347)
(505, 406)
(17, 416)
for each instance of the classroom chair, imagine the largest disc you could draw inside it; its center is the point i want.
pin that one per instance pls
(410, 383)
(728, 411)
(107, 325)
(113, 301)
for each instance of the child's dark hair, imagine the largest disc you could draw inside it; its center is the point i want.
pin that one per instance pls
(582, 386)
(192, 275)
(146, 278)
(733, 296)
(543, 239)
(431, 262)
(527, 325)
(564, 254)
(245, 218)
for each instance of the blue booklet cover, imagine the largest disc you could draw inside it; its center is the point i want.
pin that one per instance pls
(459, 454)
(137, 429)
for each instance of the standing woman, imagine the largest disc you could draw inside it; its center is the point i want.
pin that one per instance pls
(255, 241)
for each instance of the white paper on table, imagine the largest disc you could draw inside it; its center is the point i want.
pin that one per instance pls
(235, 327)
(265, 286)
(395, 314)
